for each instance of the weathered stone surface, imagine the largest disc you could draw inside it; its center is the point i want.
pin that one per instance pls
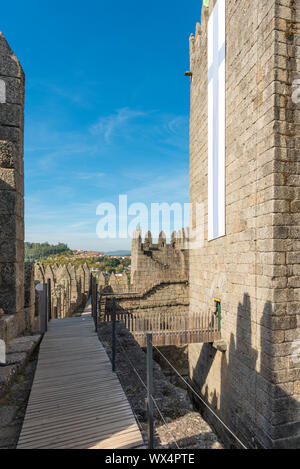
(152, 264)
(11, 191)
(14, 90)
(7, 375)
(8, 203)
(10, 180)
(70, 288)
(159, 278)
(251, 269)
(8, 414)
(13, 408)
(9, 64)
(11, 134)
(18, 353)
(11, 227)
(8, 325)
(220, 345)
(11, 114)
(7, 155)
(101, 280)
(15, 358)
(23, 344)
(10, 251)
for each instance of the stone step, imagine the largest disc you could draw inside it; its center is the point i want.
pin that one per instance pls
(18, 352)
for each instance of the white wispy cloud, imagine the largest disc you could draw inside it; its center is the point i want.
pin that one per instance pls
(88, 176)
(110, 125)
(141, 153)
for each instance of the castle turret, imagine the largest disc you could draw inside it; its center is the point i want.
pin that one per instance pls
(162, 240)
(148, 240)
(136, 251)
(12, 89)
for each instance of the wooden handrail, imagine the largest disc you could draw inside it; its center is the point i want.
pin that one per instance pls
(170, 329)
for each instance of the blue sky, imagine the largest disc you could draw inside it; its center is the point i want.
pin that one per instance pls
(107, 108)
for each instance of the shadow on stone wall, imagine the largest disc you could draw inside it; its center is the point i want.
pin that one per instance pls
(258, 405)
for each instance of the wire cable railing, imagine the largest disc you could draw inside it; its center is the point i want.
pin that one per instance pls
(200, 398)
(179, 375)
(153, 399)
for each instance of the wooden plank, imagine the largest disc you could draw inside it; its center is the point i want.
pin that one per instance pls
(100, 427)
(170, 329)
(76, 401)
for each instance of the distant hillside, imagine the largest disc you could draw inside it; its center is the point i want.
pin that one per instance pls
(37, 251)
(118, 253)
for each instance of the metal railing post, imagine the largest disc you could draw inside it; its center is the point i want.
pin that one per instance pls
(150, 390)
(114, 336)
(92, 295)
(43, 308)
(94, 298)
(92, 301)
(96, 306)
(49, 299)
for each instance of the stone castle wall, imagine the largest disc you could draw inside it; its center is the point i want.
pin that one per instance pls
(12, 80)
(153, 264)
(254, 269)
(159, 278)
(163, 298)
(70, 288)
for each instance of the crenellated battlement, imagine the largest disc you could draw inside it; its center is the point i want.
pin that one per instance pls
(153, 263)
(198, 40)
(70, 287)
(159, 276)
(179, 240)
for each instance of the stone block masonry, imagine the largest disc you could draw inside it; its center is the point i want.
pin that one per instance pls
(162, 262)
(163, 298)
(254, 269)
(159, 278)
(11, 193)
(70, 289)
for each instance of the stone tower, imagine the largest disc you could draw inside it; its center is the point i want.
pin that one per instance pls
(244, 169)
(11, 191)
(156, 263)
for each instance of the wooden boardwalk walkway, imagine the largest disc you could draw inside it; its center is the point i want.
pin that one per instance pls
(76, 401)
